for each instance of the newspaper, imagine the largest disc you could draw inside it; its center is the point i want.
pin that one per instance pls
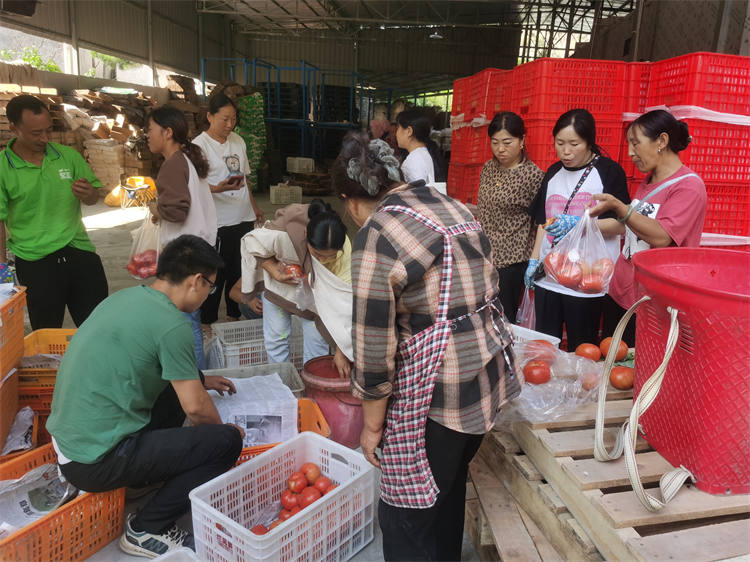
(21, 432)
(31, 497)
(263, 406)
(41, 361)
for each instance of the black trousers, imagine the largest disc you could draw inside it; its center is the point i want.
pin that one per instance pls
(68, 277)
(435, 533)
(612, 314)
(228, 240)
(511, 287)
(580, 315)
(163, 451)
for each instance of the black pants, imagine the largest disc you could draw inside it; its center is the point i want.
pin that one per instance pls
(511, 286)
(612, 314)
(435, 533)
(228, 244)
(68, 277)
(163, 451)
(580, 315)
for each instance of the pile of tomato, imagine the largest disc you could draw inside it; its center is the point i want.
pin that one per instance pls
(577, 274)
(143, 265)
(304, 487)
(542, 354)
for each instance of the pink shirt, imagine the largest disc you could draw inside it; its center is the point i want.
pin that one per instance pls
(679, 209)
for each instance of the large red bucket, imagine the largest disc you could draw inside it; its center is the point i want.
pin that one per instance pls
(701, 417)
(342, 411)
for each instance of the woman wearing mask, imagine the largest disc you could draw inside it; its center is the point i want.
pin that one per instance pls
(236, 210)
(668, 208)
(507, 185)
(297, 234)
(567, 189)
(184, 204)
(432, 361)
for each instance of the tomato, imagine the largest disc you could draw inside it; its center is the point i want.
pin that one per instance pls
(536, 372)
(297, 482)
(622, 378)
(604, 267)
(569, 275)
(259, 529)
(586, 267)
(589, 351)
(322, 484)
(295, 510)
(308, 496)
(284, 514)
(622, 349)
(144, 272)
(275, 524)
(331, 488)
(589, 381)
(132, 268)
(592, 283)
(540, 349)
(148, 257)
(552, 263)
(294, 270)
(311, 472)
(289, 499)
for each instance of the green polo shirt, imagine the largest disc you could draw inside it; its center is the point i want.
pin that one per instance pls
(37, 203)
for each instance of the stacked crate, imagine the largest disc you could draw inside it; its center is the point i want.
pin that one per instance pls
(615, 93)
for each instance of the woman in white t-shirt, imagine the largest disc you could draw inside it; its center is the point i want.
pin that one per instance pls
(236, 210)
(413, 134)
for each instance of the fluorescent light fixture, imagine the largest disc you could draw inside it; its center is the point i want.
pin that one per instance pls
(435, 35)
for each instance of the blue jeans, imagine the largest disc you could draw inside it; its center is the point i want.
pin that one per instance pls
(277, 329)
(195, 323)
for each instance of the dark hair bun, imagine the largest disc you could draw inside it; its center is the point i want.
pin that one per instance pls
(680, 138)
(318, 206)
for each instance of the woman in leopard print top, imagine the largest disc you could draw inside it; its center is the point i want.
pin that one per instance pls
(507, 185)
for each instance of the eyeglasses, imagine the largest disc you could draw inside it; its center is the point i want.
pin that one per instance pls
(211, 284)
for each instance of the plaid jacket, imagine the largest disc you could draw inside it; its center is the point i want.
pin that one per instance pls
(396, 267)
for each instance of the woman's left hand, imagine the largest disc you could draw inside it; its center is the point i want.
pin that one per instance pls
(370, 440)
(607, 202)
(220, 385)
(153, 206)
(342, 364)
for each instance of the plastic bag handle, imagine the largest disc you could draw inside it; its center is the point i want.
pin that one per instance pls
(626, 439)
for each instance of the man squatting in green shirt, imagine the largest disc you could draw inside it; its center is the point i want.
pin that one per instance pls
(126, 383)
(42, 186)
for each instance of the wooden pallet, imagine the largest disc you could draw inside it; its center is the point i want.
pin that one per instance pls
(694, 526)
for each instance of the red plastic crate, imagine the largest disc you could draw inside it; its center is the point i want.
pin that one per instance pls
(541, 146)
(719, 152)
(485, 93)
(470, 145)
(709, 80)
(547, 88)
(636, 87)
(463, 181)
(461, 89)
(728, 209)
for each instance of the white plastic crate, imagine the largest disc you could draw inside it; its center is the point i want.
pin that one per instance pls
(283, 194)
(242, 343)
(300, 165)
(286, 371)
(334, 528)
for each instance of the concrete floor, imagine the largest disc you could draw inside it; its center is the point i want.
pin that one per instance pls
(109, 229)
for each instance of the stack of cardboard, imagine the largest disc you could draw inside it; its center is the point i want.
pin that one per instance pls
(107, 160)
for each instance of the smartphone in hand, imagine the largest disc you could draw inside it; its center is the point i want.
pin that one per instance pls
(235, 180)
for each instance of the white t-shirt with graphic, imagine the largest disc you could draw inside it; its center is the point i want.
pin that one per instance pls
(226, 160)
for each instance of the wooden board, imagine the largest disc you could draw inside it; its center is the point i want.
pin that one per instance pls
(580, 442)
(617, 412)
(589, 474)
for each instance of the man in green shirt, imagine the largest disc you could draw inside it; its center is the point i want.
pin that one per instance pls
(42, 186)
(125, 385)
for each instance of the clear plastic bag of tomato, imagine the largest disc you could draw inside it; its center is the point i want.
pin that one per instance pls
(580, 261)
(144, 253)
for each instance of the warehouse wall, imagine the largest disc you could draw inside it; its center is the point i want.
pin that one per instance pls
(120, 27)
(669, 29)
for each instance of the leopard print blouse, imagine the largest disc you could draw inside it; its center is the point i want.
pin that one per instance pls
(503, 201)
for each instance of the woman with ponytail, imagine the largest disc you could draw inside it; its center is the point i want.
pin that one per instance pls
(184, 204)
(668, 208)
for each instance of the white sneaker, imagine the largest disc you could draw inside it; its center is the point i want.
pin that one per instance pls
(149, 545)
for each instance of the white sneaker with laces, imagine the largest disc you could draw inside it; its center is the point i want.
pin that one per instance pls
(150, 545)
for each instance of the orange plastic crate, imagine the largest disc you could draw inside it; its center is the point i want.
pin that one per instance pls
(47, 341)
(309, 418)
(38, 398)
(8, 405)
(74, 531)
(11, 336)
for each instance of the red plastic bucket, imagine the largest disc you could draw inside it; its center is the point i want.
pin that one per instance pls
(701, 417)
(342, 411)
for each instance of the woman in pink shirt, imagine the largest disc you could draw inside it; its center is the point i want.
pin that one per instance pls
(668, 208)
